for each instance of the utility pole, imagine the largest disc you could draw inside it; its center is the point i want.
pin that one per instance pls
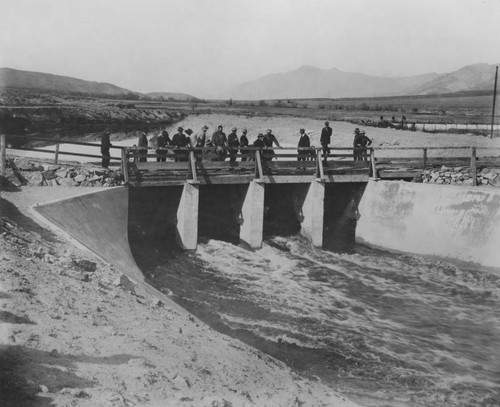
(494, 101)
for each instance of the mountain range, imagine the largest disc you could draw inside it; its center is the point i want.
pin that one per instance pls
(311, 82)
(305, 82)
(15, 79)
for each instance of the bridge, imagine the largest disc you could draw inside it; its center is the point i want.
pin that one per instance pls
(194, 193)
(276, 165)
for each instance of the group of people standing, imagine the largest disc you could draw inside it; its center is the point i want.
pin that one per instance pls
(219, 145)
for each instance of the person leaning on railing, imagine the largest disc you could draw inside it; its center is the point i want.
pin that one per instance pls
(244, 143)
(269, 140)
(142, 145)
(360, 143)
(180, 140)
(304, 142)
(162, 141)
(105, 146)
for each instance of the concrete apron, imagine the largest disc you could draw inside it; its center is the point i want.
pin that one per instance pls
(98, 221)
(455, 222)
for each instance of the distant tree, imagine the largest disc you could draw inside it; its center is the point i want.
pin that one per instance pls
(262, 103)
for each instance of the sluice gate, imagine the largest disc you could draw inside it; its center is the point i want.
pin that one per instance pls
(192, 197)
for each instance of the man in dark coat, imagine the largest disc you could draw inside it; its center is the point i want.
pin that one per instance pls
(162, 141)
(269, 140)
(259, 143)
(219, 141)
(233, 143)
(143, 147)
(361, 141)
(325, 140)
(105, 145)
(180, 140)
(304, 141)
(244, 143)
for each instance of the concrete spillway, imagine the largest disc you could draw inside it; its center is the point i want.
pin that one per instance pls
(99, 221)
(453, 222)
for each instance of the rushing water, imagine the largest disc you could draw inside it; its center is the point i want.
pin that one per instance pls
(385, 329)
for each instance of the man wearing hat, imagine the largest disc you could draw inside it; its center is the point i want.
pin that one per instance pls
(244, 143)
(161, 146)
(142, 144)
(233, 143)
(219, 141)
(325, 140)
(304, 142)
(180, 140)
(269, 140)
(361, 141)
(105, 146)
(201, 139)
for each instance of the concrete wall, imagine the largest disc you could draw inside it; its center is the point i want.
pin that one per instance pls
(99, 221)
(448, 221)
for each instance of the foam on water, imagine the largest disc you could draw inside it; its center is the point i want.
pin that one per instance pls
(389, 330)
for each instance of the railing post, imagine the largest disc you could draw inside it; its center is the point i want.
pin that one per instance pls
(3, 155)
(424, 158)
(473, 166)
(192, 166)
(319, 165)
(125, 164)
(56, 156)
(258, 165)
(372, 162)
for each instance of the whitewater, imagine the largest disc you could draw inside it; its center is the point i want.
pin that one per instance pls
(384, 329)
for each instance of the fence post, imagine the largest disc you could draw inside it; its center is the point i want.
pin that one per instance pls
(192, 165)
(424, 158)
(473, 166)
(125, 165)
(372, 162)
(56, 157)
(258, 165)
(3, 155)
(319, 165)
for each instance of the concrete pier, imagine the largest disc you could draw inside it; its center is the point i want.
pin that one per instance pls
(187, 217)
(252, 215)
(312, 211)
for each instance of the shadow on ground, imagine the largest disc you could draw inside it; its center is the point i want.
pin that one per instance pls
(8, 210)
(24, 370)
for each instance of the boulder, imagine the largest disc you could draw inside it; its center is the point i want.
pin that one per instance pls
(62, 173)
(80, 178)
(23, 165)
(11, 178)
(33, 179)
(51, 167)
(49, 175)
(66, 182)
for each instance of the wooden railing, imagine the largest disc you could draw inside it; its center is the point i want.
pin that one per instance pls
(254, 163)
(56, 152)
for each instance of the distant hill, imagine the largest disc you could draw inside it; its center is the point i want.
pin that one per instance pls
(311, 82)
(468, 78)
(44, 82)
(172, 96)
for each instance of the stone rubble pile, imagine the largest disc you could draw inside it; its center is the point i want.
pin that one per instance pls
(21, 171)
(461, 176)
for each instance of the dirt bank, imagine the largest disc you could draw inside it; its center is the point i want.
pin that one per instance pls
(74, 332)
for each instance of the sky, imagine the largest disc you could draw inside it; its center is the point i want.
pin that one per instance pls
(204, 47)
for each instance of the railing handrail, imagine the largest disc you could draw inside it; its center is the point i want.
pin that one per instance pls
(55, 141)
